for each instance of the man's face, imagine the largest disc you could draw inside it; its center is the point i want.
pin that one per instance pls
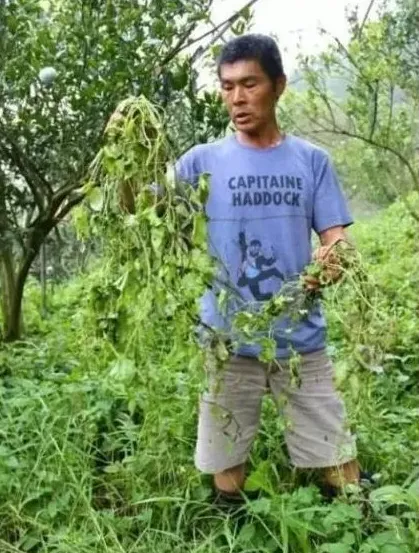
(254, 249)
(249, 95)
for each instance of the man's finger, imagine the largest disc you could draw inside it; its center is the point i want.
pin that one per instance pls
(311, 282)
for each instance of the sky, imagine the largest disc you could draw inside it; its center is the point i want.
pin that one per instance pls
(295, 23)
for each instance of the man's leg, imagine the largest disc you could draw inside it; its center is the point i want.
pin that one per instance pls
(231, 480)
(228, 421)
(318, 436)
(255, 289)
(269, 273)
(339, 476)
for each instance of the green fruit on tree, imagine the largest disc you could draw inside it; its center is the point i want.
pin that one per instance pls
(47, 75)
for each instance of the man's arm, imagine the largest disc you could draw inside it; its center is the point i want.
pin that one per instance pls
(267, 261)
(330, 218)
(332, 236)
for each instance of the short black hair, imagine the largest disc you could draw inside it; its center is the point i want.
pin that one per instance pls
(261, 48)
(255, 242)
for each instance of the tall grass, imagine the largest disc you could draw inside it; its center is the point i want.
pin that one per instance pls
(96, 451)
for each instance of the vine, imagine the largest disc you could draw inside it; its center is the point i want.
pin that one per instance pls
(156, 259)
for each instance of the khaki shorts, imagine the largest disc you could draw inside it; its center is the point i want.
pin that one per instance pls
(316, 435)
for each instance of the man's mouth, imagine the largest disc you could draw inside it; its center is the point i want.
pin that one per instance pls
(242, 118)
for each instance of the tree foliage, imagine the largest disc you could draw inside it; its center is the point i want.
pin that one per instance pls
(102, 51)
(374, 127)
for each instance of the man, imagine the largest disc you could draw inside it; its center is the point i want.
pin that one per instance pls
(269, 190)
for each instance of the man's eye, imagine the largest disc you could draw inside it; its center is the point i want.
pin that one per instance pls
(250, 85)
(227, 87)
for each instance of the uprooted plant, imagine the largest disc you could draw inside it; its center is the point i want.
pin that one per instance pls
(154, 236)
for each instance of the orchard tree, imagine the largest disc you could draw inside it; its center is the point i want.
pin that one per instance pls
(374, 128)
(64, 65)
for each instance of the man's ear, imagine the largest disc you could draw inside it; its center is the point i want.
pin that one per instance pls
(280, 85)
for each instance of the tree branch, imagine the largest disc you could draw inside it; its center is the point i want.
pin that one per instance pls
(349, 57)
(374, 109)
(390, 115)
(68, 207)
(386, 148)
(14, 158)
(60, 195)
(364, 21)
(202, 49)
(183, 45)
(179, 46)
(24, 158)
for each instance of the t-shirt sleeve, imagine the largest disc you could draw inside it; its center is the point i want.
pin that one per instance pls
(187, 168)
(330, 208)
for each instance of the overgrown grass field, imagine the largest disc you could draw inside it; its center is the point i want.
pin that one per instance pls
(96, 450)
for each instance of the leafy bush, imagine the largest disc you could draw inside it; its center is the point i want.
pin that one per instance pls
(376, 342)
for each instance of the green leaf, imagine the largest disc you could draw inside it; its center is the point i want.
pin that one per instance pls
(268, 350)
(260, 479)
(199, 234)
(221, 351)
(29, 542)
(341, 514)
(216, 50)
(122, 370)
(414, 488)
(388, 494)
(157, 237)
(247, 533)
(12, 462)
(261, 506)
(348, 538)
(335, 548)
(390, 541)
(246, 13)
(146, 515)
(113, 468)
(95, 199)
(52, 509)
(81, 221)
(203, 187)
(180, 78)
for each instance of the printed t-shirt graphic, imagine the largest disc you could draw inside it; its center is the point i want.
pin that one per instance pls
(262, 207)
(256, 267)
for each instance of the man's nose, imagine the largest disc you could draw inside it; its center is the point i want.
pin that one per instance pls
(238, 96)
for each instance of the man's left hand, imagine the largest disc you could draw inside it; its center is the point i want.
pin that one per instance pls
(330, 269)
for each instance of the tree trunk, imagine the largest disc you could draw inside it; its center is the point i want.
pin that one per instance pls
(13, 323)
(43, 276)
(8, 286)
(7, 261)
(33, 246)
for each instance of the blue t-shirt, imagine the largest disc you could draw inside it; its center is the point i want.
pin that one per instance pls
(262, 207)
